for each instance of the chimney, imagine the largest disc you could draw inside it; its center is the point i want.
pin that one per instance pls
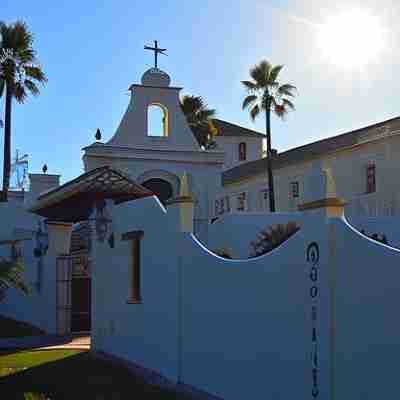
(40, 183)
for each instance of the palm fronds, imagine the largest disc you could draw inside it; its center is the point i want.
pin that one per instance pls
(18, 64)
(19, 75)
(11, 276)
(200, 119)
(272, 237)
(266, 90)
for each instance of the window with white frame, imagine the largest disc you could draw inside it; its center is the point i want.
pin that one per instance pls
(241, 201)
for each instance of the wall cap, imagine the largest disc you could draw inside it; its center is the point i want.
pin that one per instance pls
(323, 203)
(180, 199)
(59, 223)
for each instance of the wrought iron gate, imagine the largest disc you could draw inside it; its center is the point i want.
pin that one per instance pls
(80, 293)
(63, 294)
(73, 293)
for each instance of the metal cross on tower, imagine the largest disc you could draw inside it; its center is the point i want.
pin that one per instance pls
(156, 50)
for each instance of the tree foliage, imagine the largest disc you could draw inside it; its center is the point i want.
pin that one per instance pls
(19, 68)
(20, 73)
(272, 237)
(266, 93)
(200, 120)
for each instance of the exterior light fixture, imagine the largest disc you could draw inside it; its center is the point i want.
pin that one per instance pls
(101, 220)
(42, 242)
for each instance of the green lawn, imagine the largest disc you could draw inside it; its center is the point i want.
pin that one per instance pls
(71, 374)
(12, 328)
(14, 362)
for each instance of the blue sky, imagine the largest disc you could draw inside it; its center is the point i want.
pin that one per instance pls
(93, 51)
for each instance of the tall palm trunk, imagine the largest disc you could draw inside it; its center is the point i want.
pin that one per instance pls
(7, 145)
(269, 156)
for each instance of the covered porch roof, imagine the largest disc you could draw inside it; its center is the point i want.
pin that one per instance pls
(74, 201)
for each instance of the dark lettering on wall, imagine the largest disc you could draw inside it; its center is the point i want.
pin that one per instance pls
(312, 257)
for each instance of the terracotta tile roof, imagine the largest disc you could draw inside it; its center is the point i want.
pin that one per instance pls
(74, 201)
(313, 150)
(228, 129)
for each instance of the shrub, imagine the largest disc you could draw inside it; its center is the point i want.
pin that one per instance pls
(272, 237)
(225, 253)
(375, 236)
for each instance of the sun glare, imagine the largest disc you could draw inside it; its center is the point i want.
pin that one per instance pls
(351, 39)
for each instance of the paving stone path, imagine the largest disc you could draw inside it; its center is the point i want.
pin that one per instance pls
(47, 342)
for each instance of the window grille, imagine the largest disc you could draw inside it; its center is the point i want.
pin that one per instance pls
(371, 178)
(242, 151)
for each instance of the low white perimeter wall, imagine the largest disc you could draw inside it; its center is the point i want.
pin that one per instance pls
(36, 308)
(390, 226)
(246, 324)
(235, 231)
(366, 290)
(144, 333)
(235, 328)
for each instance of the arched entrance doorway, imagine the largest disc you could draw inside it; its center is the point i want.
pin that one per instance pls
(160, 187)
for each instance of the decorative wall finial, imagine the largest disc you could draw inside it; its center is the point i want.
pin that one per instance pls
(98, 135)
(184, 189)
(44, 168)
(330, 184)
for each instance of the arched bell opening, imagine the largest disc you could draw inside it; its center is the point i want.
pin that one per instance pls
(157, 120)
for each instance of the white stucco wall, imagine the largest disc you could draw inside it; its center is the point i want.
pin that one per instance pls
(38, 308)
(203, 180)
(145, 333)
(390, 226)
(230, 145)
(133, 129)
(224, 326)
(235, 231)
(349, 172)
(365, 298)
(132, 150)
(243, 335)
(243, 328)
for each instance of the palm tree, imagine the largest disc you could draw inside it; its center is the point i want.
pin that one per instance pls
(268, 95)
(11, 276)
(200, 120)
(19, 73)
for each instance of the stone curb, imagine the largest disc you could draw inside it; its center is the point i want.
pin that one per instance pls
(41, 343)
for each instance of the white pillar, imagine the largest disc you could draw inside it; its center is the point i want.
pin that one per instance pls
(55, 298)
(59, 237)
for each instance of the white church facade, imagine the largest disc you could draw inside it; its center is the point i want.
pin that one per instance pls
(232, 177)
